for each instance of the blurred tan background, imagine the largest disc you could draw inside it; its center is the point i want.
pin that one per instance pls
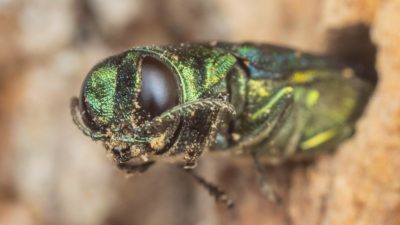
(52, 174)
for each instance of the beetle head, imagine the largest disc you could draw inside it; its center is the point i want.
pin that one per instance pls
(146, 101)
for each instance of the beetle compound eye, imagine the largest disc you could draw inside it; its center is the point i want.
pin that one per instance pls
(159, 91)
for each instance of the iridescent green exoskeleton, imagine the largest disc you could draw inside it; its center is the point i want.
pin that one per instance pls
(176, 102)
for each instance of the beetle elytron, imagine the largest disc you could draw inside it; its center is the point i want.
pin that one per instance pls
(176, 102)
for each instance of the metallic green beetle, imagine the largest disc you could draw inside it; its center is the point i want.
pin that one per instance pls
(176, 102)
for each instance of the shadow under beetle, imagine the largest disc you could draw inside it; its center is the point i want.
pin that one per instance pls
(176, 102)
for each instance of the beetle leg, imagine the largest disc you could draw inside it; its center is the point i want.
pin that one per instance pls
(188, 108)
(265, 187)
(213, 190)
(269, 117)
(135, 168)
(216, 115)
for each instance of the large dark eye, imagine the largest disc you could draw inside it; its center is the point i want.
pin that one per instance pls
(159, 91)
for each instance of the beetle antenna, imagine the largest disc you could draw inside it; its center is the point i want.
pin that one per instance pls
(265, 187)
(214, 190)
(190, 107)
(78, 122)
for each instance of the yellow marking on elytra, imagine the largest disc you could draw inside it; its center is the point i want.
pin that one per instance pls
(258, 89)
(318, 139)
(312, 98)
(304, 76)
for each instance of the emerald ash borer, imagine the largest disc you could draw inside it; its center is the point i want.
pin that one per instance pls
(176, 102)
